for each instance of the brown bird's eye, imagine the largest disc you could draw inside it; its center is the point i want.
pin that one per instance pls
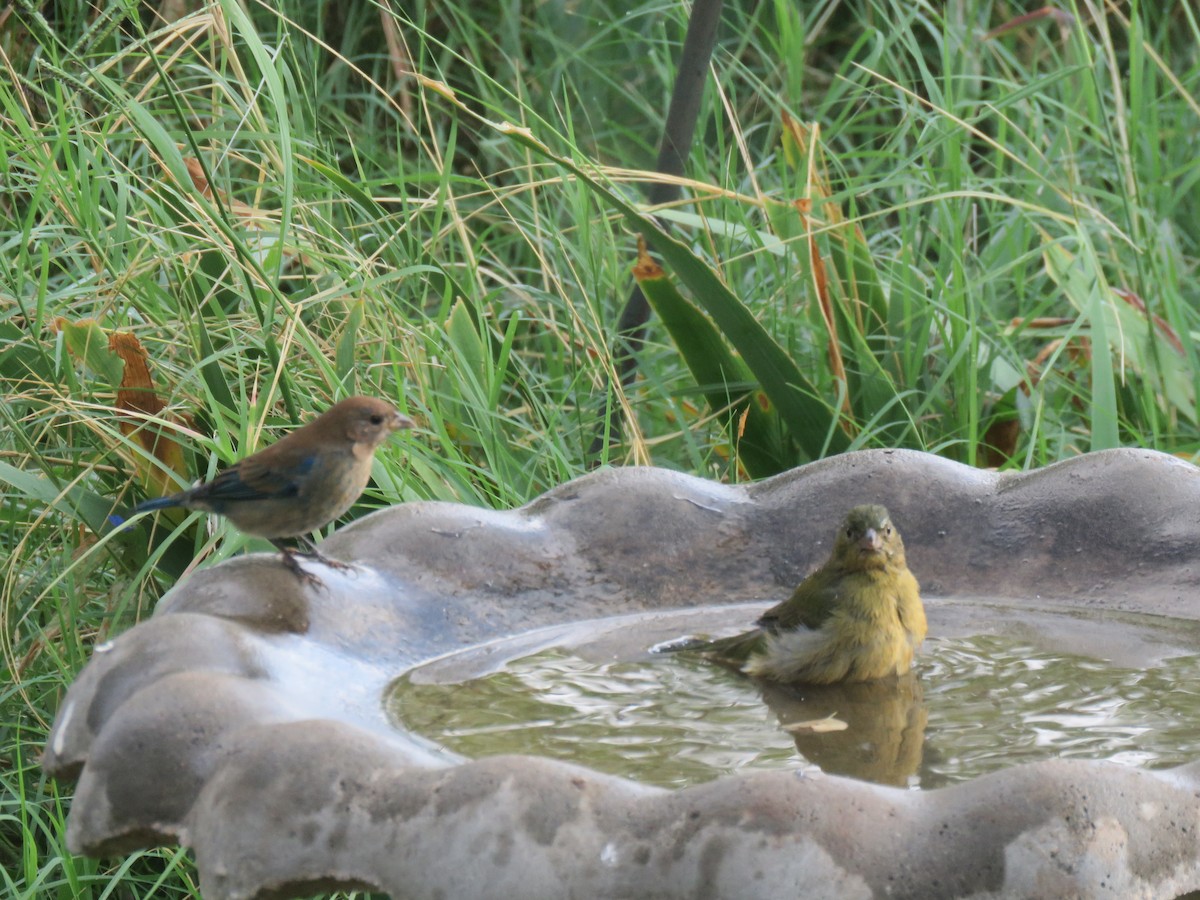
(376, 419)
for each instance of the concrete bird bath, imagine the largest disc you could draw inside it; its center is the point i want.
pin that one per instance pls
(245, 719)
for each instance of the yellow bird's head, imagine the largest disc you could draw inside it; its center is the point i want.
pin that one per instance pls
(868, 540)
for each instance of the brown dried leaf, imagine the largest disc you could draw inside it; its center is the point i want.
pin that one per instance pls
(1065, 21)
(251, 215)
(1000, 442)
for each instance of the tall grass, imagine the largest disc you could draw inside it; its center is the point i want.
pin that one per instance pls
(982, 245)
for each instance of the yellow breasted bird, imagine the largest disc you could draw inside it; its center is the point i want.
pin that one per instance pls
(300, 483)
(857, 618)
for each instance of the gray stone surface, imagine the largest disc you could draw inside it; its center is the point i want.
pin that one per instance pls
(244, 719)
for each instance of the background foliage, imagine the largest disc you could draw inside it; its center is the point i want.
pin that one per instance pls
(932, 225)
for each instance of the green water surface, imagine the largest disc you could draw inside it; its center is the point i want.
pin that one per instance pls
(978, 703)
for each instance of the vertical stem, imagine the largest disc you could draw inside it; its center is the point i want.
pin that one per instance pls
(678, 133)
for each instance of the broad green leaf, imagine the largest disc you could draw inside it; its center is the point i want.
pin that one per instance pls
(472, 351)
(724, 379)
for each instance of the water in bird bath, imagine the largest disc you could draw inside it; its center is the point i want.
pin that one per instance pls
(996, 685)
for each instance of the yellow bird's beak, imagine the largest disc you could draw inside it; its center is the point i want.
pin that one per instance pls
(870, 542)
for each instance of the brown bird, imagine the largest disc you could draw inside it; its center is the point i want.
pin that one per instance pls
(856, 618)
(300, 483)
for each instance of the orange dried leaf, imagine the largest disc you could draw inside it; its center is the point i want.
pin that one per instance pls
(1042, 322)
(196, 172)
(252, 215)
(136, 393)
(837, 365)
(646, 268)
(136, 401)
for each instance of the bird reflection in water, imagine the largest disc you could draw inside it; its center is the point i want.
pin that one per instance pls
(871, 730)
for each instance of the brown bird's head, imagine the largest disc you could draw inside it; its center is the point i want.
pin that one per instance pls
(868, 540)
(365, 421)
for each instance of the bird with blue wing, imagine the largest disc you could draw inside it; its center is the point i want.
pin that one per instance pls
(301, 482)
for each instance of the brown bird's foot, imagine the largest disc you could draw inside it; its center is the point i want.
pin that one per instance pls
(308, 550)
(323, 560)
(332, 563)
(293, 565)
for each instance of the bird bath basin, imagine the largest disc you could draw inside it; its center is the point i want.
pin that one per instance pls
(267, 724)
(997, 685)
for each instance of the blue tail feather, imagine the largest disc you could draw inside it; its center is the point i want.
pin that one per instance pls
(156, 503)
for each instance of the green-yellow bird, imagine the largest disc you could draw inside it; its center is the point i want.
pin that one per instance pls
(859, 617)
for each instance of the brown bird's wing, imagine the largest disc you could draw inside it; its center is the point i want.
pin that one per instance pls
(256, 478)
(810, 605)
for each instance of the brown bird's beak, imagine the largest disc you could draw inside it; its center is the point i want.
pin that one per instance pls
(402, 422)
